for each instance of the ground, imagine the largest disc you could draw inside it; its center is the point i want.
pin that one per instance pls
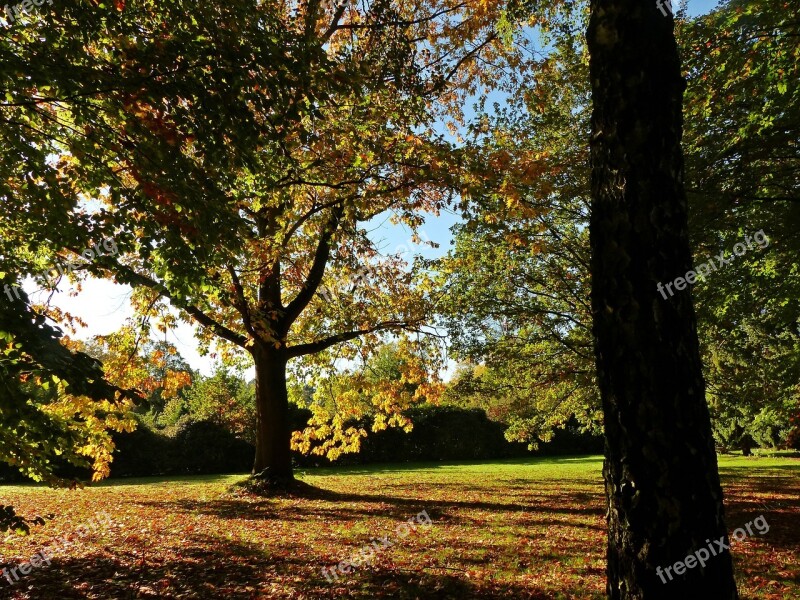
(512, 529)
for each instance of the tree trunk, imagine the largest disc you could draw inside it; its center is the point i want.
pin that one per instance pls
(747, 445)
(662, 484)
(273, 463)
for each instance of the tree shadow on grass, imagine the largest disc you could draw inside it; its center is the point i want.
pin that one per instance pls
(414, 585)
(558, 507)
(210, 568)
(225, 509)
(354, 506)
(206, 567)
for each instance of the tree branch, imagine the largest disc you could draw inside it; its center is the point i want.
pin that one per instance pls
(128, 275)
(321, 256)
(241, 301)
(320, 345)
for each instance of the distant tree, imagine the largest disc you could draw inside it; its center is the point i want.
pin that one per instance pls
(168, 370)
(225, 399)
(743, 159)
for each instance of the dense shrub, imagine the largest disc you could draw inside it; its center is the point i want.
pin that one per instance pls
(206, 447)
(142, 452)
(298, 417)
(9, 474)
(453, 433)
(198, 447)
(190, 447)
(441, 433)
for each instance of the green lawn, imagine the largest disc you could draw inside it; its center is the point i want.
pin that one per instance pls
(511, 529)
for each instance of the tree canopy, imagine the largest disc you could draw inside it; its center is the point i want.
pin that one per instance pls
(513, 262)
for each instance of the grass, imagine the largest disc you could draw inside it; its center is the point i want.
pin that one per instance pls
(510, 529)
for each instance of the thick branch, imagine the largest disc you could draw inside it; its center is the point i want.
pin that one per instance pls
(128, 275)
(302, 220)
(316, 272)
(320, 345)
(241, 301)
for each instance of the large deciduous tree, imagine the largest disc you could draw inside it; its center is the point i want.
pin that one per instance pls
(662, 483)
(236, 151)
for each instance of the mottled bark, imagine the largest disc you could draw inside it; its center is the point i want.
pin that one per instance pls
(662, 484)
(273, 463)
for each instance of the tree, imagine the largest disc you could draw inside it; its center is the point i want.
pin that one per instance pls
(225, 399)
(520, 261)
(742, 138)
(522, 266)
(662, 483)
(168, 373)
(236, 156)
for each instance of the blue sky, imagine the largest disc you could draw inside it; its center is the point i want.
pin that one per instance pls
(105, 306)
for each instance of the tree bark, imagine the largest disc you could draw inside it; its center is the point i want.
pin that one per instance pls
(273, 462)
(662, 483)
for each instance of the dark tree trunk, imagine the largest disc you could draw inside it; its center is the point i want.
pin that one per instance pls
(273, 463)
(747, 445)
(662, 484)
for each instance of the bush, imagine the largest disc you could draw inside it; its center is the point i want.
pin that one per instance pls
(189, 447)
(441, 433)
(200, 447)
(9, 474)
(206, 447)
(453, 433)
(141, 453)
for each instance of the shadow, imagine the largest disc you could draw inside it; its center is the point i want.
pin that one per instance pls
(210, 568)
(341, 507)
(735, 472)
(438, 505)
(222, 509)
(165, 479)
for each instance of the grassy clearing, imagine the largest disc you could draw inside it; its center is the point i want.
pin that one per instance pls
(513, 529)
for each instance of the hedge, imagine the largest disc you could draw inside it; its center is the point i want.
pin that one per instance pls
(441, 433)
